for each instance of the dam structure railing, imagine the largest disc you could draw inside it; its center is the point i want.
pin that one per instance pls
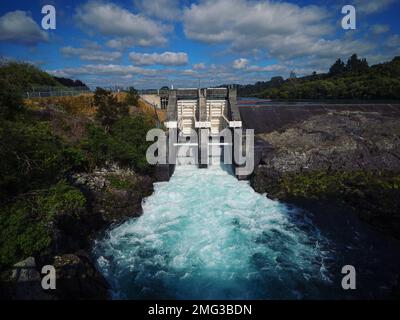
(202, 113)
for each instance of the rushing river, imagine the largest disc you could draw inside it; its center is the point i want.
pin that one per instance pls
(206, 235)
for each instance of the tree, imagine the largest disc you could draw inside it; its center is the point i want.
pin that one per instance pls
(132, 97)
(357, 65)
(337, 68)
(109, 109)
(276, 82)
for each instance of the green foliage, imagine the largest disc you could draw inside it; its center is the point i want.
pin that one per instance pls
(132, 97)
(109, 109)
(32, 157)
(10, 99)
(356, 65)
(337, 68)
(37, 155)
(125, 143)
(322, 184)
(26, 76)
(25, 224)
(355, 80)
(119, 183)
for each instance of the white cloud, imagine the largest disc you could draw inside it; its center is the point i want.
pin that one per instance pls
(103, 70)
(112, 20)
(393, 41)
(240, 63)
(227, 20)
(379, 28)
(283, 29)
(165, 59)
(199, 66)
(162, 9)
(18, 26)
(91, 54)
(370, 7)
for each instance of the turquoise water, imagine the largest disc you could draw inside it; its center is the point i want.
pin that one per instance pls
(206, 235)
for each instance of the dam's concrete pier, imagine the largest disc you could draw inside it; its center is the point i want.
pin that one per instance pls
(203, 114)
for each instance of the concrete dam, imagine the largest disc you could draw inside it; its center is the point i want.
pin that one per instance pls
(203, 113)
(212, 110)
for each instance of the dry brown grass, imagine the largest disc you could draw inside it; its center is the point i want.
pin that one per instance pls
(149, 109)
(77, 105)
(84, 105)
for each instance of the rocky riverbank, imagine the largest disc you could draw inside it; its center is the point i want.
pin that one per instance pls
(113, 194)
(347, 159)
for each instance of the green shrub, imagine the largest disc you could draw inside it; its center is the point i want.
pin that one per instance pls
(25, 224)
(125, 143)
(109, 109)
(32, 157)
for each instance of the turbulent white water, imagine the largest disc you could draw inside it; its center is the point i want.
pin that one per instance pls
(206, 235)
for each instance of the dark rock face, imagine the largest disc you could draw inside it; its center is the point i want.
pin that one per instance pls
(78, 279)
(114, 194)
(23, 282)
(352, 158)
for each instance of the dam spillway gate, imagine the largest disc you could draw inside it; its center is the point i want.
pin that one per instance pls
(199, 120)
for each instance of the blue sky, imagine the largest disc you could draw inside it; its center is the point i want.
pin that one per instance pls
(149, 44)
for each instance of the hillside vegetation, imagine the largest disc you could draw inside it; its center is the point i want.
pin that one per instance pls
(24, 77)
(352, 80)
(42, 147)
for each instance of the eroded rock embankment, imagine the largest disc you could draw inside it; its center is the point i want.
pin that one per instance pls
(113, 195)
(345, 158)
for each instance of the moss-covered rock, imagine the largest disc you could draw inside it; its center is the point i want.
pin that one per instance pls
(347, 158)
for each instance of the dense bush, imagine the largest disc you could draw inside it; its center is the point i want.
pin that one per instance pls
(125, 143)
(25, 223)
(32, 157)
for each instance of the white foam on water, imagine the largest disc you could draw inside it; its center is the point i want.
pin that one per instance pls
(206, 235)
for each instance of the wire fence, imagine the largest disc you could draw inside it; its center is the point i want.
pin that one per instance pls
(45, 92)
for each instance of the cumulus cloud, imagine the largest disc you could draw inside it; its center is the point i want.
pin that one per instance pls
(284, 29)
(199, 66)
(18, 26)
(227, 20)
(379, 28)
(393, 41)
(103, 70)
(165, 59)
(240, 63)
(162, 9)
(370, 7)
(91, 54)
(112, 20)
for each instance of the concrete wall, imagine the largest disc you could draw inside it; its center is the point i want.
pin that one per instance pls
(152, 98)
